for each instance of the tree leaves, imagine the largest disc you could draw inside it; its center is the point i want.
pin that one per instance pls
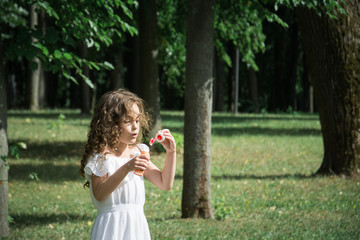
(71, 24)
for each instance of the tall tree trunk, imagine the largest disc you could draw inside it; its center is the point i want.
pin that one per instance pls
(42, 80)
(116, 78)
(293, 57)
(232, 79)
(4, 225)
(277, 99)
(149, 72)
(85, 89)
(332, 51)
(219, 84)
(253, 89)
(132, 77)
(196, 196)
(35, 74)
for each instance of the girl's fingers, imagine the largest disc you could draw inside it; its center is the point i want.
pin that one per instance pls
(141, 163)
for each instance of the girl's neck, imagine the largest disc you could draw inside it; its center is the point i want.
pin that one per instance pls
(122, 150)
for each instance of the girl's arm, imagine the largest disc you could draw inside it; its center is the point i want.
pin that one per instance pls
(104, 186)
(164, 179)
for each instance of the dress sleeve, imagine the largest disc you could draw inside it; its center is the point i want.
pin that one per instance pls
(96, 166)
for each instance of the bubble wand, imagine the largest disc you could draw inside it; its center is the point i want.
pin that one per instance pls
(144, 152)
(159, 138)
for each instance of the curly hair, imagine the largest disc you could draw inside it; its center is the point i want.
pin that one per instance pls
(105, 127)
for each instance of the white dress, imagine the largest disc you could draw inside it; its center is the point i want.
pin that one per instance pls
(121, 214)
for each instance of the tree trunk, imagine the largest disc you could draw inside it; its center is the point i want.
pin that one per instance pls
(4, 225)
(116, 78)
(196, 197)
(132, 77)
(332, 53)
(253, 89)
(42, 80)
(292, 67)
(85, 89)
(277, 99)
(232, 79)
(219, 84)
(149, 73)
(35, 74)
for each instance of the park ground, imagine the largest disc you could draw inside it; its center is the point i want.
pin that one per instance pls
(263, 182)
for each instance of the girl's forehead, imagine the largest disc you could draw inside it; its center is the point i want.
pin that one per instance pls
(134, 111)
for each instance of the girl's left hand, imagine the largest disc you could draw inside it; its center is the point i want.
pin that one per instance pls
(169, 144)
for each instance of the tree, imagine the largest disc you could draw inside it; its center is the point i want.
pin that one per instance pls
(4, 227)
(34, 66)
(149, 50)
(332, 53)
(196, 196)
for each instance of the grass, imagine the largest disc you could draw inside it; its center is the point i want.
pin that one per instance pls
(262, 181)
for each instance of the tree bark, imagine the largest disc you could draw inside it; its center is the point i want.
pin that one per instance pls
(85, 89)
(35, 74)
(219, 84)
(196, 196)
(253, 89)
(42, 77)
(116, 78)
(231, 80)
(293, 57)
(332, 53)
(149, 73)
(4, 225)
(277, 99)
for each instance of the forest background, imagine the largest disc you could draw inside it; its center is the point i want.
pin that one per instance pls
(272, 72)
(250, 56)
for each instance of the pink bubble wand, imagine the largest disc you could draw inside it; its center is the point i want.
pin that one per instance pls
(159, 138)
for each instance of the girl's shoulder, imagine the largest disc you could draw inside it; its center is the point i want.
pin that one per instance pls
(96, 165)
(97, 157)
(142, 147)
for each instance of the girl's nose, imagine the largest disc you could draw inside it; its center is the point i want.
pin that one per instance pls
(135, 125)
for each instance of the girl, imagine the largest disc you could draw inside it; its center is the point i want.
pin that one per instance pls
(108, 164)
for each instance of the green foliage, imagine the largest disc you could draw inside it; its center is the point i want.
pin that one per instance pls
(59, 123)
(330, 7)
(95, 23)
(172, 50)
(240, 22)
(14, 149)
(33, 176)
(11, 220)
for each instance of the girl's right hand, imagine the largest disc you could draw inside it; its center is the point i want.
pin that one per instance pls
(140, 162)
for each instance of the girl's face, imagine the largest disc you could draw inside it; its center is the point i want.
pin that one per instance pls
(130, 126)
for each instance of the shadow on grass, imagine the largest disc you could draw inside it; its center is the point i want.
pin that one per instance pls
(265, 131)
(69, 114)
(49, 151)
(258, 177)
(46, 172)
(233, 131)
(261, 177)
(228, 118)
(23, 220)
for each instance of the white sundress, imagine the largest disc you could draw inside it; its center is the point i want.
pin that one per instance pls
(121, 215)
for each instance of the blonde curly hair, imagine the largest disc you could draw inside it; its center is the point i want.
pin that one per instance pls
(105, 127)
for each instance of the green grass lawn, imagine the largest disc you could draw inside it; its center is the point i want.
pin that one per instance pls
(262, 181)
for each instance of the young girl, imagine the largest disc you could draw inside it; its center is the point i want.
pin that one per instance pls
(110, 159)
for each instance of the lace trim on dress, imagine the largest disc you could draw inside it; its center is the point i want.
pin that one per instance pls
(95, 166)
